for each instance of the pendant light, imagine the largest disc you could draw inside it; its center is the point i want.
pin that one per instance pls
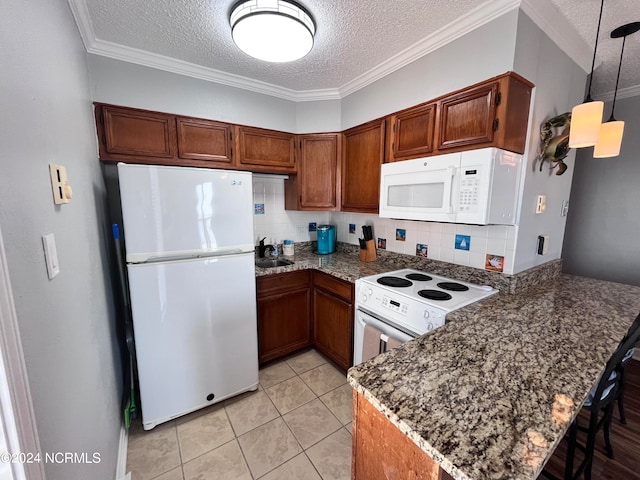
(611, 132)
(586, 118)
(272, 30)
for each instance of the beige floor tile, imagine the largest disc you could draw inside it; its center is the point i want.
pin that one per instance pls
(251, 412)
(298, 468)
(268, 446)
(306, 361)
(349, 428)
(276, 373)
(198, 413)
(223, 463)
(242, 396)
(175, 474)
(204, 433)
(154, 452)
(340, 402)
(332, 456)
(323, 378)
(311, 422)
(290, 394)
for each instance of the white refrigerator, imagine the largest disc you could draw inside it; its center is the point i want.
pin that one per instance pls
(190, 262)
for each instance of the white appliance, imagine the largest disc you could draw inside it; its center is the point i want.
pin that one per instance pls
(395, 307)
(479, 187)
(190, 262)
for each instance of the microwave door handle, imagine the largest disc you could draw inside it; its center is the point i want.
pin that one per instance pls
(451, 171)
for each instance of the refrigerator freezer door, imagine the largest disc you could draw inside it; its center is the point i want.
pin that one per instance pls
(195, 331)
(184, 212)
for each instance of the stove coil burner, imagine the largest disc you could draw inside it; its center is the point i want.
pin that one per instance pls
(453, 286)
(394, 282)
(434, 295)
(418, 277)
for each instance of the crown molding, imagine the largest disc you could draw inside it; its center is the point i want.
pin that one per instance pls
(83, 20)
(547, 16)
(153, 60)
(477, 17)
(626, 92)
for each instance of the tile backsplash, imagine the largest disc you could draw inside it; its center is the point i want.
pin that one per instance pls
(474, 243)
(271, 220)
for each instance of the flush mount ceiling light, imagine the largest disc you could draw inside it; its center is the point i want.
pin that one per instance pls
(611, 132)
(586, 118)
(272, 30)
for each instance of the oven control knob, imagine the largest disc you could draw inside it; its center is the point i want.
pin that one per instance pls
(430, 326)
(369, 292)
(364, 298)
(426, 314)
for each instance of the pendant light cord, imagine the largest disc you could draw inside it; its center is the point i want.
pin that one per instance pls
(615, 93)
(595, 49)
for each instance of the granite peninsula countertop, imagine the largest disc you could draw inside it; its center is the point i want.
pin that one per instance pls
(490, 394)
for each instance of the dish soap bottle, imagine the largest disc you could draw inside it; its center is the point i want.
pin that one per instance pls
(275, 252)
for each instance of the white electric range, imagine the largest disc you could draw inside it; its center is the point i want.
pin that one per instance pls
(395, 307)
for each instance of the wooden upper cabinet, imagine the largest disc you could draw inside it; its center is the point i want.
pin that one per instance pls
(206, 140)
(363, 154)
(490, 114)
(265, 150)
(130, 134)
(411, 133)
(468, 118)
(316, 186)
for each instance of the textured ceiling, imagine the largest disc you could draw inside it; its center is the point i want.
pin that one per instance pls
(352, 38)
(583, 16)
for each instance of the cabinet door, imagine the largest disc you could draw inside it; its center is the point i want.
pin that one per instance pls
(411, 133)
(266, 150)
(283, 324)
(363, 153)
(129, 133)
(316, 186)
(206, 140)
(333, 328)
(284, 314)
(468, 118)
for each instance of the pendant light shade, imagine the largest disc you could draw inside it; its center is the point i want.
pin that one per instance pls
(587, 117)
(272, 30)
(610, 140)
(611, 132)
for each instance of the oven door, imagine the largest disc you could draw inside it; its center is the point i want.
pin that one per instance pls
(373, 336)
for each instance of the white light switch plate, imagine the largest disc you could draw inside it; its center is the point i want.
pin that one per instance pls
(50, 255)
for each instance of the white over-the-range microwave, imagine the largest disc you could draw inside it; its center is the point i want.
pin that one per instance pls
(479, 187)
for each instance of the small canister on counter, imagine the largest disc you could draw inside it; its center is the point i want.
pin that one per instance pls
(287, 248)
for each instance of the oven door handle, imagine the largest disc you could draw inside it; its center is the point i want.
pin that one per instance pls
(384, 341)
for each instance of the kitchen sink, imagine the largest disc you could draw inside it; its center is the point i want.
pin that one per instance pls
(276, 262)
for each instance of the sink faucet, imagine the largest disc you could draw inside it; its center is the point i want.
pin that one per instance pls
(262, 248)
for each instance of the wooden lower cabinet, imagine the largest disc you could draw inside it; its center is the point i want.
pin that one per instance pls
(333, 319)
(380, 451)
(284, 307)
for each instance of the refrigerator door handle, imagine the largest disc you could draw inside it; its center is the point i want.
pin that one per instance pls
(193, 256)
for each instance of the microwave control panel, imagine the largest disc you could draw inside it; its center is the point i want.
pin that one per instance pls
(469, 189)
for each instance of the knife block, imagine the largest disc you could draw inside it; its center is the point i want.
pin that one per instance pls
(368, 254)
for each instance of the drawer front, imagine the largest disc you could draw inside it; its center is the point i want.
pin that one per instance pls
(282, 282)
(338, 287)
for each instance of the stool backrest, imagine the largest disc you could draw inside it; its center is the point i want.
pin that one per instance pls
(609, 380)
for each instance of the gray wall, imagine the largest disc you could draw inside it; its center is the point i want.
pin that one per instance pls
(66, 324)
(559, 83)
(602, 239)
(122, 83)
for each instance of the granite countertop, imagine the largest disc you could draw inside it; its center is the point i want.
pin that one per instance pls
(490, 394)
